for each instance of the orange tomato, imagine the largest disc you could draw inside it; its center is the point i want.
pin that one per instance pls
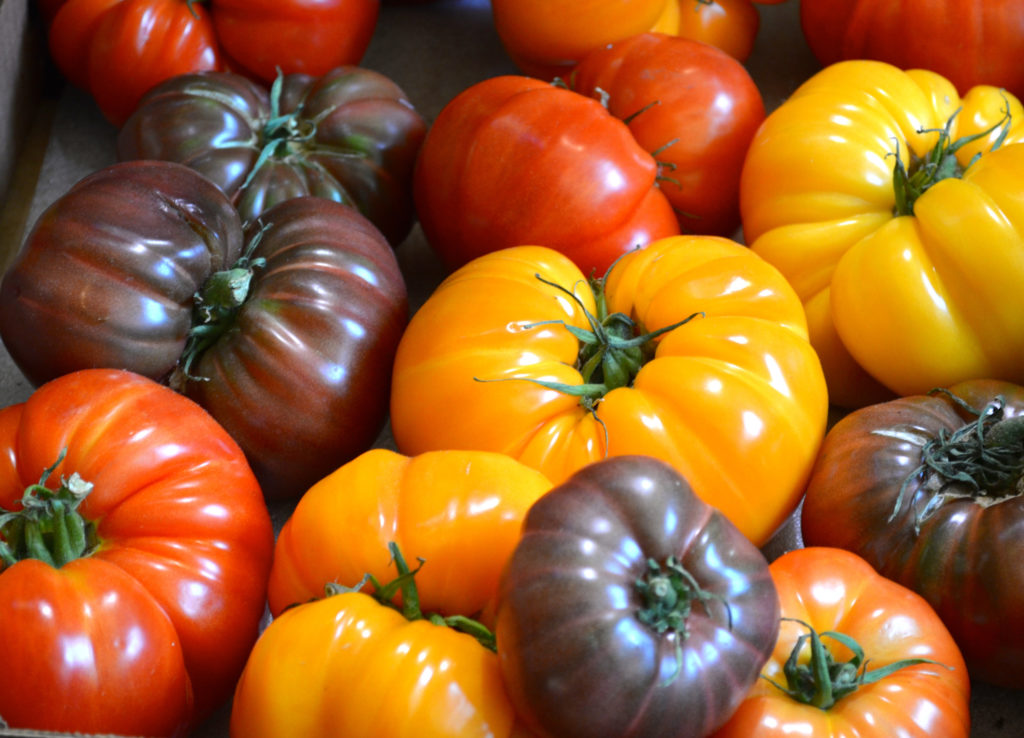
(734, 398)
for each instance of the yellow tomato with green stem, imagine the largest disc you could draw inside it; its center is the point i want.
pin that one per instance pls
(895, 207)
(693, 350)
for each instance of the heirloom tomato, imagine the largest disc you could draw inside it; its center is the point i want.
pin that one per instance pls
(896, 210)
(457, 511)
(694, 107)
(857, 655)
(285, 332)
(350, 135)
(118, 49)
(133, 562)
(693, 350)
(353, 664)
(970, 42)
(513, 160)
(546, 38)
(929, 491)
(632, 608)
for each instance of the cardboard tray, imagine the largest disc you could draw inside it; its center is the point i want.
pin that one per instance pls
(52, 135)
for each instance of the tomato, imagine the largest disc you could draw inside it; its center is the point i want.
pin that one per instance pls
(350, 135)
(970, 42)
(144, 265)
(632, 608)
(503, 356)
(694, 107)
(894, 668)
(132, 585)
(118, 49)
(513, 160)
(458, 511)
(350, 664)
(896, 209)
(928, 487)
(546, 38)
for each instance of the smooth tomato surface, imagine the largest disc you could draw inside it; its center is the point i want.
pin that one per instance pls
(970, 42)
(147, 632)
(458, 511)
(835, 590)
(734, 398)
(930, 283)
(693, 107)
(513, 160)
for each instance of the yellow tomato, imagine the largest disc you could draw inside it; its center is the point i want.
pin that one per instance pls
(902, 294)
(733, 396)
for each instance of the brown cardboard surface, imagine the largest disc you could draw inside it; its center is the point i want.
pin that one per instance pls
(434, 51)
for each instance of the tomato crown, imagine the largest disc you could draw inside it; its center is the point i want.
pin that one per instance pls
(823, 681)
(48, 527)
(405, 583)
(982, 459)
(939, 163)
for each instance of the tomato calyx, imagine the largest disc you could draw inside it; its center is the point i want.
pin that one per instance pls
(982, 460)
(823, 681)
(48, 527)
(940, 163)
(405, 583)
(214, 309)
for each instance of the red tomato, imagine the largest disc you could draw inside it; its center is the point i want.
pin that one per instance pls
(970, 42)
(690, 104)
(513, 160)
(131, 609)
(118, 49)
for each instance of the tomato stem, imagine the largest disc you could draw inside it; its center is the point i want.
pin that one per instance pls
(48, 527)
(405, 583)
(983, 460)
(939, 163)
(823, 681)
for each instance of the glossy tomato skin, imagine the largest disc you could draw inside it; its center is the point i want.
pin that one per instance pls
(347, 665)
(700, 110)
(146, 634)
(578, 658)
(458, 511)
(513, 160)
(546, 38)
(310, 37)
(964, 560)
(118, 49)
(318, 332)
(735, 399)
(835, 590)
(353, 137)
(817, 200)
(118, 261)
(970, 42)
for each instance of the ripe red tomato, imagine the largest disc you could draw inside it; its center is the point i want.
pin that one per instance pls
(132, 584)
(690, 104)
(118, 49)
(512, 160)
(970, 42)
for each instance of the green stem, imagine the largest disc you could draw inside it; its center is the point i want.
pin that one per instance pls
(822, 681)
(405, 583)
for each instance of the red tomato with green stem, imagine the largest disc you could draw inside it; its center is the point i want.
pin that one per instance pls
(135, 556)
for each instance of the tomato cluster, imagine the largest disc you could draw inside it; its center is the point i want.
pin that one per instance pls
(544, 498)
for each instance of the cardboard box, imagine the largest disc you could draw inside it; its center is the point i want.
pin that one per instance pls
(52, 135)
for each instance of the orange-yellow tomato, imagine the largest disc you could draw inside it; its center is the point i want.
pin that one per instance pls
(348, 666)
(458, 511)
(733, 398)
(546, 38)
(901, 297)
(833, 590)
